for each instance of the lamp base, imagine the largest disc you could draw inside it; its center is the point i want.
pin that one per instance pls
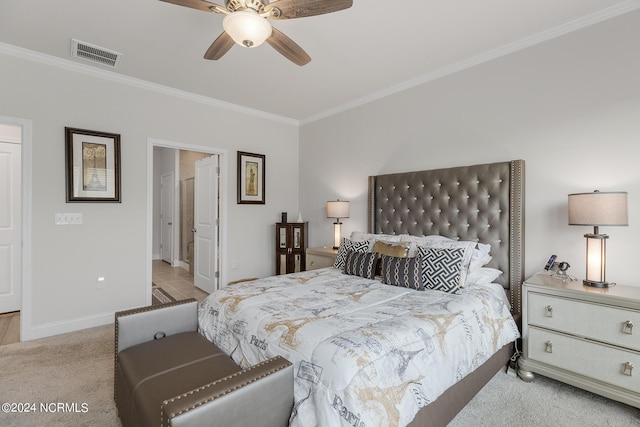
(595, 284)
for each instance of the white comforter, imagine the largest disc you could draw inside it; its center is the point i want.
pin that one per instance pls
(364, 353)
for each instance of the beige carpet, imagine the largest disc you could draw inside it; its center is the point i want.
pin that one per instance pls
(76, 369)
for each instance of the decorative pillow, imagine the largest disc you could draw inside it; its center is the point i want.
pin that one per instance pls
(347, 245)
(396, 249)
(441, 268)
(467, 248)
(361, 264)
(482, 276)
(403, 272)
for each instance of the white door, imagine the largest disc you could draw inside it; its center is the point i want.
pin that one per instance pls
(205, 237)
(167, 192)
(10, 228)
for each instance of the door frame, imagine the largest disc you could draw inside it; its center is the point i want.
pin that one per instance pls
(223, 153)
(174, 218)
(27, 192)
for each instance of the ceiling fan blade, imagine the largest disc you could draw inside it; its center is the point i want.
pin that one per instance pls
(289, 9)
(199, 4)
(219, 47)
(288, 48)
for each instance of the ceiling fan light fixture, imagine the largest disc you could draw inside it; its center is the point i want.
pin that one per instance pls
(247, 28)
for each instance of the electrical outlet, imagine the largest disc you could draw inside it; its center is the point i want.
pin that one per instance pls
(101, 282)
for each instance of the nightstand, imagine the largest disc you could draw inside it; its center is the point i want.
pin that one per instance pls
(320, 257)
(583, 336)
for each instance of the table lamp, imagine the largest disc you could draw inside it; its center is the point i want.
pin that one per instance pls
(597, 209)
(337, 209)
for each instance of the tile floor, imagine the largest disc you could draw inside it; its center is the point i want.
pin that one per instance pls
(176, 281)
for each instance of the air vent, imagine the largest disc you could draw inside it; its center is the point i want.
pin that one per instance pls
(96, 54)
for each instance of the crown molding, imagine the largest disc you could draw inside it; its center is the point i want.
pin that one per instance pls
(569, 27)
(72, 66)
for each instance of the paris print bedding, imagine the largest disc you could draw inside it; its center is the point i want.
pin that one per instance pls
(364, 353)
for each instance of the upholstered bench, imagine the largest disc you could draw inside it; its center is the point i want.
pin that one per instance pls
(166, 373)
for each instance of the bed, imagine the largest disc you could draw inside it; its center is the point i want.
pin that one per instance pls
(366, 353)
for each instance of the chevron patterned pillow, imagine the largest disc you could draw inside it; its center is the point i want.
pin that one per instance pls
(361, 264)
(441, 268)
(347, 245)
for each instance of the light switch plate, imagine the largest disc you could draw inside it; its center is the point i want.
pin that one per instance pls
(68, 218)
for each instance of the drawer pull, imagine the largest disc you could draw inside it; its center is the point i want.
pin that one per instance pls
(627, 327)
(628, 369)
(548, 311)
(548, 347)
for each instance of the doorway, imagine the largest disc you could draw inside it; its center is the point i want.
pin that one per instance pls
(174, 165)
(15, 232)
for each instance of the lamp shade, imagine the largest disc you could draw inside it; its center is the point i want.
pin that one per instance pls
(598, 208)
(337, 209)
(247, 28)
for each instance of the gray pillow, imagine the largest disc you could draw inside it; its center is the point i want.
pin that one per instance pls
(361, 264)
(403, 272)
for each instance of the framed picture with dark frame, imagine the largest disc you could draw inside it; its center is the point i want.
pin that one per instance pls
(251, 178)
(93, 166)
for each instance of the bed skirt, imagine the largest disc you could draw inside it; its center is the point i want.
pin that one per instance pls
(456, 397)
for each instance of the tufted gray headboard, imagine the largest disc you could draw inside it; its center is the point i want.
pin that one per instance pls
(482, 203)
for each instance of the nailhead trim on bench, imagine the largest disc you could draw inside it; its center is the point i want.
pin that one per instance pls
(173, 415)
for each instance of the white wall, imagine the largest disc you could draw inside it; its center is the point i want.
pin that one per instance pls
(569, 107)
(111, 242)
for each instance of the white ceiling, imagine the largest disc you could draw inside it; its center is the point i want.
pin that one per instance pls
(359, 54)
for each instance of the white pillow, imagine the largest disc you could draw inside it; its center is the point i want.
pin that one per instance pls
(359, 236)
(419, 240)
(482, 276)
(480, 251)
(478, 263)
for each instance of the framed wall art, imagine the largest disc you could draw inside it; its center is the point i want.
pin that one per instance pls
(93, 166)
(251, 178)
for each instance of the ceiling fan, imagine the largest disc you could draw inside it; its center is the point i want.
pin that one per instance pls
(246, 23)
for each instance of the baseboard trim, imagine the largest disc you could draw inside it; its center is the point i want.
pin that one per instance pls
(62, 327)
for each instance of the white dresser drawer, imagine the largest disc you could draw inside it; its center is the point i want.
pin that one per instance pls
(601, 362)
(314, 262)
(613, 325)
